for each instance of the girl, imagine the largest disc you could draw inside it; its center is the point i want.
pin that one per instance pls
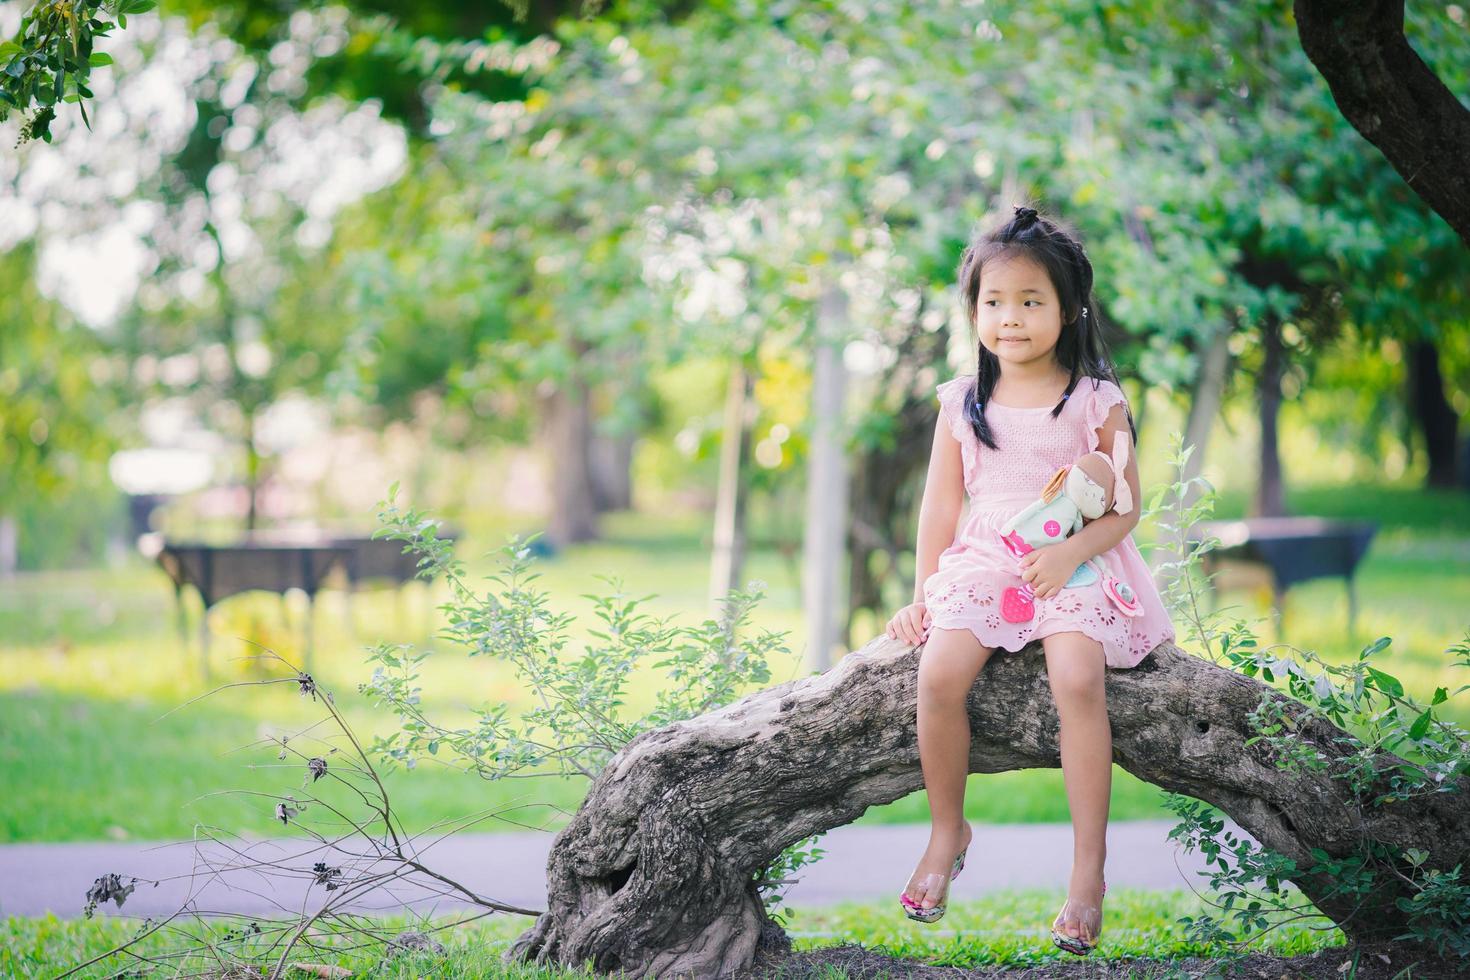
(1045, 394)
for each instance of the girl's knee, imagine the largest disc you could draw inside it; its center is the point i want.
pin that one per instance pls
(1076, 686)
(949, 663)
(1075, 666)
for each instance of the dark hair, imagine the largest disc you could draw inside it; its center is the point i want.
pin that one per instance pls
(1080, 349)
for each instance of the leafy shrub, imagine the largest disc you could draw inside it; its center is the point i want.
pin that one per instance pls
(1358, 697)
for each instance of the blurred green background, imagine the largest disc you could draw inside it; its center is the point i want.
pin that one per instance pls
(543, 273)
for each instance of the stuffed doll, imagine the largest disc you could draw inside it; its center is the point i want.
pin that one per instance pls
(1079, 492)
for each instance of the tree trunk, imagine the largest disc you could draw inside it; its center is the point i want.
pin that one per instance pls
(1205, 400)
(1270, 493)
(826, 487)
(727, 555)
(1204, 409)
(1389, 95)
(252, 474)
(655, 874)
(573, 514)
(1433, 413)
(9, 546)
(612, 471)
(888, 476)
(883, 492)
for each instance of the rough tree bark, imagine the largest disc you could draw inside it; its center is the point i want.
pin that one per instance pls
(1390, 96)
(654, 874)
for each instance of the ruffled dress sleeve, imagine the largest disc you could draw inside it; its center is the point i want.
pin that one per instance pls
(1099, 403)
(952, 405)
(952, 411)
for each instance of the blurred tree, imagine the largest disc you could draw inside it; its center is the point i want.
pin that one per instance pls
(394, 51)
(1311, 223)
(212, 195)
(238, 309)
(56, 413)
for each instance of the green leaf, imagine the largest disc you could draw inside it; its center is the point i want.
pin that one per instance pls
(9, 49)
(1440, 696)
(1387, 683)
(1378, 646)
(101, 59)
(1421, 725)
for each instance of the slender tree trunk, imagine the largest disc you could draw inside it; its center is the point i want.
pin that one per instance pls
(568, 430)
(884, 492)
(827, 486)
(1270, 491)
(1205, 400)
(612, 470)
(1432, 411)
(1204, 408)
(727, 556)
(888, 480)
(9, 546)
(252, 473)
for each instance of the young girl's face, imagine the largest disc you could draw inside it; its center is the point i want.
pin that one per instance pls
(1017, 312)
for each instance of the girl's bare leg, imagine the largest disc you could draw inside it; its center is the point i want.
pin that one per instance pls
(948, 664)
(1075, 668)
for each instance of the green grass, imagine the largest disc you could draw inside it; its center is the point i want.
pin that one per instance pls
(92, 664)
(1007, 928)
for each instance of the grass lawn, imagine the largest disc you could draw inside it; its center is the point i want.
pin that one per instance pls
(1003, 929)
(92, 664)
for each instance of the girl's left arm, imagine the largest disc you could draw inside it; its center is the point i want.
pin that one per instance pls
(1105, 532)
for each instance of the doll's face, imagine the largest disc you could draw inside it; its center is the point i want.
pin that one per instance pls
(1090, 485)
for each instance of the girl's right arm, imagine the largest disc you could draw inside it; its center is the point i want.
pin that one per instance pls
(939, 513)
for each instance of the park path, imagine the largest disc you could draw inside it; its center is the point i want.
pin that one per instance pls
(861, 863)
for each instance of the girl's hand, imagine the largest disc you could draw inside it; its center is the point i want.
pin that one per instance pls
(1049, 568)
(910, 624)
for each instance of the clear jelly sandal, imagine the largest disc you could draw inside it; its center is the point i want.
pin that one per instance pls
(1089, 917)
(932, 882)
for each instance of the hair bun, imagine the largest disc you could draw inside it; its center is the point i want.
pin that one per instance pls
(1024, 213)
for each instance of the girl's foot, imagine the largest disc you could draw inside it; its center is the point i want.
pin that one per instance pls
(926, 895)
(1078, 925)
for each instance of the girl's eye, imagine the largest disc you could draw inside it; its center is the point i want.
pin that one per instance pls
(1036, 301)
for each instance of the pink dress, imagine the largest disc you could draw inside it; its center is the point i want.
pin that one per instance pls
(965, 592)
